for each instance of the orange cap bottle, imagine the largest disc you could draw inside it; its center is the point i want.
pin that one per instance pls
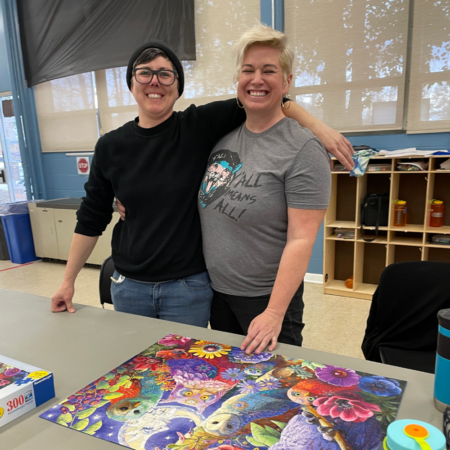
(437, 213)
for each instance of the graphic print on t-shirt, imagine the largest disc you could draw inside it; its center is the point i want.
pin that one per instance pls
(225, 182)
(222, 166)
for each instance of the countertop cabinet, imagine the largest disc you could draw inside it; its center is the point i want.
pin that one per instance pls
(53, 224)
(367, 260)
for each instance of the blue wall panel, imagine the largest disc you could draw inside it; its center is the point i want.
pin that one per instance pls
(266, 12)
(5, 76)
(61, 176)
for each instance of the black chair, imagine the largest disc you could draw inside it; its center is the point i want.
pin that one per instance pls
(106, 272)
(402, 327)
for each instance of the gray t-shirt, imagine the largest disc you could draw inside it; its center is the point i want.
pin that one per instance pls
(250, 180)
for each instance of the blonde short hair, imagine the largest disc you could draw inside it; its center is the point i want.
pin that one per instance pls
(264, 36)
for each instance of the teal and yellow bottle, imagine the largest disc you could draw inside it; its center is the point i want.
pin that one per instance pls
(442, 371)
(410, 434)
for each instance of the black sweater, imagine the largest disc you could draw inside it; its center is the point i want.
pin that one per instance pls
(156, 174)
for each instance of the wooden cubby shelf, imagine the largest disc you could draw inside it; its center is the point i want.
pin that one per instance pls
(367, 260)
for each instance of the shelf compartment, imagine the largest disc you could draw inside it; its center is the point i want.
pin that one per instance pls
(436, 162)
(439, 254)
(374, 264)
(429, 243)
(331, 234)
(339, 256)
(346, 199)
(402, 238)
(384, 162)
(344, 257)
(412, 188)
(442, 192)
(380, 183)
(369, 233)
(341, 211)
(403, 253)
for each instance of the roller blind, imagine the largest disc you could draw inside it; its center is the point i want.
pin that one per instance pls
(66, 114)
(72, 126)
(429, 94)
(116, 103)
(349, 61)
(218, 25)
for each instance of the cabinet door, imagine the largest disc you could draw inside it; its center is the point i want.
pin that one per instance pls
(103, 248)
(65, 221)
(49, 239)
(36, 229)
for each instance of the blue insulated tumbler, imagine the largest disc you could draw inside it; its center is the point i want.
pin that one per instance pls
(442, 372)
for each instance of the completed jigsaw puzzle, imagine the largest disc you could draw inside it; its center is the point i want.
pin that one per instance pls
(185, 394)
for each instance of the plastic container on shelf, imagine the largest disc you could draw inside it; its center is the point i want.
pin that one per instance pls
(437, 213)
(400, 213)
(441, 239)
(344, 233)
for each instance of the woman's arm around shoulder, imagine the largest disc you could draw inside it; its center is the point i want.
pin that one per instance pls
(219, 118)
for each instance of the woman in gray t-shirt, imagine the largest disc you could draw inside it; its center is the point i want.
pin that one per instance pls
(261, 203)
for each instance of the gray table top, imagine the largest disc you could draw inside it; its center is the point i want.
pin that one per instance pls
(78, 348)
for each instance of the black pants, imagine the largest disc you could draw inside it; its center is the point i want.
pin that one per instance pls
(233, 314)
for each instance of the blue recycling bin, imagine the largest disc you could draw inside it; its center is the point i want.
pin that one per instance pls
(19, 238)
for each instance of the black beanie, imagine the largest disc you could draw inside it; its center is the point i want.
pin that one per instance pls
(170, 54)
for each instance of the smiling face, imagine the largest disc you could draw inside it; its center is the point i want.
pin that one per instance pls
(155, 101)
(261, 83)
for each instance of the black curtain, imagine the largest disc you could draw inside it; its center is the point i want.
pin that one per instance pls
(66, 37)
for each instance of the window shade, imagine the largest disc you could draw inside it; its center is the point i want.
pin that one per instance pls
(218, 25)
(116, 103)
(66, 114)
(429, 92)
(209, 78)
(349, 61)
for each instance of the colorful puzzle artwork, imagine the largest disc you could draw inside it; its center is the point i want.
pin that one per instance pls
(10, 375)
(186, 394)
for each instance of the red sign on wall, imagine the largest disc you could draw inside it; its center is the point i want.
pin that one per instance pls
(83, 165)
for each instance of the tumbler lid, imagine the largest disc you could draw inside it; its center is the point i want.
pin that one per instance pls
(409, 434)
(444, 318)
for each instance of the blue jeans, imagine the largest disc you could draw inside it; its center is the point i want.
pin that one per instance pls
(185, 301)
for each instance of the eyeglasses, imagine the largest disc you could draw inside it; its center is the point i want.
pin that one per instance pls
(145, 76)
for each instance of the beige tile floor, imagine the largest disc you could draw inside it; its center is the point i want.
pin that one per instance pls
(333, 324)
